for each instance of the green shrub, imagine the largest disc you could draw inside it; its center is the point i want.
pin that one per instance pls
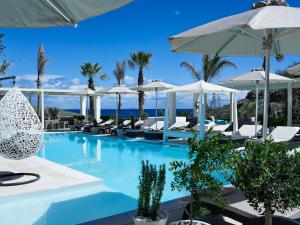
(144, 115)
(53, 112)
(268, 174)
(151, 186)
(197, 175)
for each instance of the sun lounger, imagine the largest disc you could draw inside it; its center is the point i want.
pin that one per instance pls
(283, 134)
(239, 209)
(138, 124)
(246, 131)
(159, 125)
(179, 125)
(126, 123)
(221, 128)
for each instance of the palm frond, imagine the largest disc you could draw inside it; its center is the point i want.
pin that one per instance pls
(119, 71)
(192, 69)
(42, 61)
(3, 67)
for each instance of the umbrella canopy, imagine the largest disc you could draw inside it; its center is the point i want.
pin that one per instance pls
(53, 13)
(294, 70)
(254, 79)
(156, 85)
(244, 34)
(202, 87)
(271, 30)
(121, 90)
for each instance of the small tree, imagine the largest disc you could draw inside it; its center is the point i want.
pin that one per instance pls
(53, 112)
(268, 174)
(197, 175)
(151, 186)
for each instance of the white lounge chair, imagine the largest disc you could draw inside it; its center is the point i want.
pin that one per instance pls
(126, 123)
(221, 128)
(160, 126)
(283, 134)
(179, 125)
(139, 123)
(247, 131)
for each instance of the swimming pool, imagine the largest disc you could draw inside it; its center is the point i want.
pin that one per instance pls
(115, 161)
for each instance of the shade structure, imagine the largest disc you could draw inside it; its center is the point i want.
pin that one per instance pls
(53, 13)
(156, 86)
(201, 88)
(271, 30)
(118, 90)
(255, 80)
(294, 70)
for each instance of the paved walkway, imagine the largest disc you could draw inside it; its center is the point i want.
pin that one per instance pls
(53, 176)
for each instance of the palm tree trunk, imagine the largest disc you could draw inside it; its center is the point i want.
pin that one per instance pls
(141, 93)
(38, 86)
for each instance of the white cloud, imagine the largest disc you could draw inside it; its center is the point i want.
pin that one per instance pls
(129, 81)
(177, 13)
(75, 81)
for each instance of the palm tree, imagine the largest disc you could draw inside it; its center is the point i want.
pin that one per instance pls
(3, 67)
(90, 71)
(211, 68)
(119, 73)
(141, 60)
(42, 61)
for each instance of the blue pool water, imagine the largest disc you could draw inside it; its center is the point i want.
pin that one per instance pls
(116, 161)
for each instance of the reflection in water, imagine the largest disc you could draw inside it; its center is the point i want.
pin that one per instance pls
(98, 150)
(84, 146)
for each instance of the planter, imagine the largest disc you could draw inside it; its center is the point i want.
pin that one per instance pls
(120, 132)
(187, 222)
(162, 218)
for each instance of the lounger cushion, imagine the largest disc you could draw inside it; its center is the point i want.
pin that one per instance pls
(282, 134)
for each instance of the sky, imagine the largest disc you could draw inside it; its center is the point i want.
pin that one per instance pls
(142, 25)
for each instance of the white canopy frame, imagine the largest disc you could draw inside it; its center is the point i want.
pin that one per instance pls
(201, 88)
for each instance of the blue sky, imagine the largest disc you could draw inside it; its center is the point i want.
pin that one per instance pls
(143, 25)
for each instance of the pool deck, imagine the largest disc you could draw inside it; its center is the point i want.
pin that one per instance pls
(53, 176)
(175, 210)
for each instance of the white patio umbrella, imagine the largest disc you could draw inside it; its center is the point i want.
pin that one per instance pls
(53, 13)
(294, 70)
(120, 90)
(271, 30)
(201, 88)
(156, 86)
(255, 80)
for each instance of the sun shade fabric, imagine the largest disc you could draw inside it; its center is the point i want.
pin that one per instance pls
(121, 90)
(53, 13)
(21, 133)
(202, 87)
(242, 34)
(156, 85)
(249, 81)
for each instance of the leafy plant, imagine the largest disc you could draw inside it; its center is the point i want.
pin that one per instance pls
(197, 175)
(53, 112)
(90, 71)
(141, 60)
(268, 175)
(144, 115)
(132, 121)
(151, 186)
(160, 112)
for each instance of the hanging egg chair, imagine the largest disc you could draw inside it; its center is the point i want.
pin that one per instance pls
(21, 132)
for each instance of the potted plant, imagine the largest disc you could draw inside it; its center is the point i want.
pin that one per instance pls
(198, 175)
(268, 175)
(151, 186)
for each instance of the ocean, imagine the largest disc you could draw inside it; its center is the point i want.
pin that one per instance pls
(126, 113)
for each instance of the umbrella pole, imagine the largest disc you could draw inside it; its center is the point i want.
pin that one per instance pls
(267, 47)
(256, 108)
(117, 116)
(156, 109)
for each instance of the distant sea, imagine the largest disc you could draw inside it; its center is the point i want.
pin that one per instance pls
(126, 113)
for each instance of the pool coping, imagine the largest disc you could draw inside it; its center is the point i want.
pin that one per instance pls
(53, 176)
